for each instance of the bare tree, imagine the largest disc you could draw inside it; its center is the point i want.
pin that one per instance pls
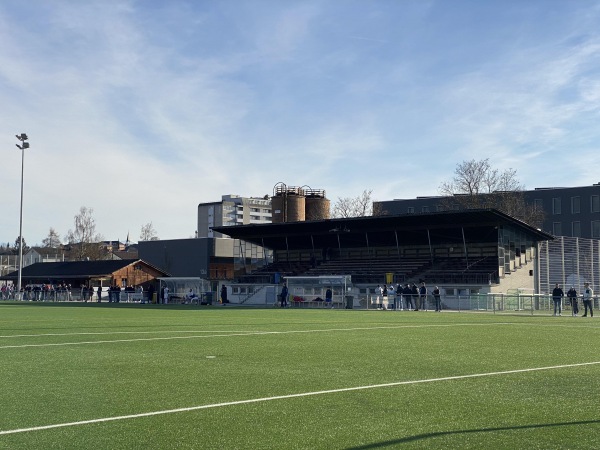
(360, 206)
(477, 185)
(52, 240)
(84, 240)
(148, 233)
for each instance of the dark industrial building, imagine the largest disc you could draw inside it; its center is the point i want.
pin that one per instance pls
(568, 211)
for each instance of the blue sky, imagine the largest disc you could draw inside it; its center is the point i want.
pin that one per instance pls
(143, 109)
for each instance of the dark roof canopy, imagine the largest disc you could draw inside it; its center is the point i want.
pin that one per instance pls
(405, 229)
(73, 269)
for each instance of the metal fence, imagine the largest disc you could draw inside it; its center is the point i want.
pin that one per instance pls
(494, 303)
(568, 261)
(527, 304)
(73, 295)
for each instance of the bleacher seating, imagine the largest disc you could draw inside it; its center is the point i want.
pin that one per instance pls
(442, 270)
(373, 269)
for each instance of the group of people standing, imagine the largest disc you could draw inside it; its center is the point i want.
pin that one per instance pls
(407, 296)
(587, 297)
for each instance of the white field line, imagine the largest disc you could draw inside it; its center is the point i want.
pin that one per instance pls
(289, 396)
(237, 333)
(246, 333)
(110, 333)
(104, 333)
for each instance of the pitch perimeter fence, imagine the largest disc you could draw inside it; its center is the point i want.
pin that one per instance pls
(497, 303)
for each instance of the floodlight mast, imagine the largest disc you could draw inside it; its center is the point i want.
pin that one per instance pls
(24, 144)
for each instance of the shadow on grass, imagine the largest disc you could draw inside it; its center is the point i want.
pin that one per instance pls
(424, 436)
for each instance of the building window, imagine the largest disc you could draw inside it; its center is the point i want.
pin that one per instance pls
(538, 204)
(557, 229)
(575, 205)
(556, 205)
(576, 228)
(595, 203)
(439, 208)
(425, 209)
(411, 209)
(596, 229)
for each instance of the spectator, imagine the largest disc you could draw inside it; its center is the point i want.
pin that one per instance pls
(557, 296)
(572, 296)
(407, 294)
(379, 296)
(283, 295)
(414, 291)
(224, 299)
(398, 303)
(151, 294)
(384, 297)
(423, 296)
(329, 298)
(391, 297)
(588, 295)
(438, 301)
(190, 297)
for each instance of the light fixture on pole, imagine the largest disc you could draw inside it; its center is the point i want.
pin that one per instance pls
(24, 144)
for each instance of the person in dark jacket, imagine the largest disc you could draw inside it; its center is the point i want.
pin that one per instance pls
(436, 297)
(557, 296)
(572, 296)
(423, 296)
(224, 299)
(283, 295)
(588, 296)
(415, 296)
(407, 294)
(329, 298)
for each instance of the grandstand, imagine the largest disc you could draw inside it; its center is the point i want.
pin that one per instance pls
(474, 249)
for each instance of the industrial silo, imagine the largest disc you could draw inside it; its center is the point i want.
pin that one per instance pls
(317, 205)
(287, 204)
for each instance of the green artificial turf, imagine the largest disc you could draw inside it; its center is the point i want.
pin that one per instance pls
(64, 364)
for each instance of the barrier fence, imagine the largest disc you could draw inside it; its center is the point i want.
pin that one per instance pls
(496, 303)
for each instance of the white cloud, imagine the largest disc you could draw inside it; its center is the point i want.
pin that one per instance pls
(142, 110)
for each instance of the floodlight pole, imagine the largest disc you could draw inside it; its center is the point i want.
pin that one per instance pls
(23, 138)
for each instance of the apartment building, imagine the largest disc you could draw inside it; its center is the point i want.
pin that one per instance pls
(232, 210)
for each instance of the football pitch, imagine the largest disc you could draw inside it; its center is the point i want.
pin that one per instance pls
(92, 376)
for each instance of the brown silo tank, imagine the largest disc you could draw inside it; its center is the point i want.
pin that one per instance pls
(278, 205)
(296, 205)
(317, 206)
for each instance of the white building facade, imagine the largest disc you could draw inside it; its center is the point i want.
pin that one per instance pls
(230, 211)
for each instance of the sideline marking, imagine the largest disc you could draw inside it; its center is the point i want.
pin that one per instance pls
(104, 333)
(249, 333)
(109, 333)
(284, 397)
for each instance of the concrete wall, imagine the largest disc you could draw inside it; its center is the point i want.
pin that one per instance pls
(518, 279)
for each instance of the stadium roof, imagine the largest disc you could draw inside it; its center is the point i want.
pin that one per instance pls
(405, 229)
(73, 269)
